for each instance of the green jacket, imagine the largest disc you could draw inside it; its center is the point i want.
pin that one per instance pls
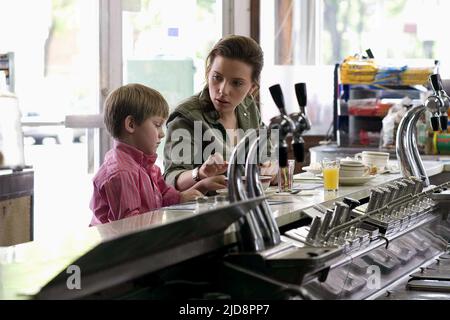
(185, 149)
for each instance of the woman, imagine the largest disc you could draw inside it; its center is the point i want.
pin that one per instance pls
(203, 129)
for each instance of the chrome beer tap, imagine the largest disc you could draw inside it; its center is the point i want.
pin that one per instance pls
(301, 121)
(284, 124)
(406, 144)
(295, 123)
(442, 105)
(258, 229)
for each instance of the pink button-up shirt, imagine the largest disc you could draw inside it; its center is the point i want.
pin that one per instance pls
(129, 183)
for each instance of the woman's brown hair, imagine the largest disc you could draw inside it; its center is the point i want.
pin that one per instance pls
(240, 48)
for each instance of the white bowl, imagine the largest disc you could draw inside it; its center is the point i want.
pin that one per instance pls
(374, 159)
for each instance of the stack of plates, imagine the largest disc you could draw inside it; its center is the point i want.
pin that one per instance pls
(351, 166)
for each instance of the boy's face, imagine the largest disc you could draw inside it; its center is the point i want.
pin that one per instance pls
(148, 135)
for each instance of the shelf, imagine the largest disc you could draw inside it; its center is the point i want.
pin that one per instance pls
(372, 86)
(363, 105)
(361, 116)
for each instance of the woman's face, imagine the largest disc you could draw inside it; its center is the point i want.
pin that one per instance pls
(229, 82)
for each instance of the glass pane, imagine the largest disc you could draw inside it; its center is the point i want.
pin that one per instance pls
(397, 29)
(56, 49)
(166, 48)
(280, 34)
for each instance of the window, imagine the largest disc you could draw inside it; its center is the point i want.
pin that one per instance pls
(55, 46)
(165, 48)
(300, 33)
(56, 61)
(394, 29)
(68, 56)
(288, 38)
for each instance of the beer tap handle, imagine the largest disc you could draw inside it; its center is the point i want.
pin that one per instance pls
(434, 122)
(300, 93)
(278, 98)
(283, 156)
(436, 82)
(444, 121)
(299, 150)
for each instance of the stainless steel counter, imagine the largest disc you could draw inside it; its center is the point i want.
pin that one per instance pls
(26, 268)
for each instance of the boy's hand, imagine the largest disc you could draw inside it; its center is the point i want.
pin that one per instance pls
(189, 195)
(213, 166)
(211, 184)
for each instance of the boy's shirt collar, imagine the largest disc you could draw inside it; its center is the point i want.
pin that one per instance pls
(141, 158)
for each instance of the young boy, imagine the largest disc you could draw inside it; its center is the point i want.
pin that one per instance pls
(128, 182)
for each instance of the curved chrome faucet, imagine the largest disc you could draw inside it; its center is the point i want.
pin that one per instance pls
(258, 229)
(406, 143)
(255, 189)
(250, 233)
(406, 146)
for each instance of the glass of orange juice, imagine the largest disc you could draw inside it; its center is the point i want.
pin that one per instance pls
(330, 171)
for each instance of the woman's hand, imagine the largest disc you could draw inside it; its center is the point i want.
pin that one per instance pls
(213, 166)
(269, 168)
(211, 184)
(189, 195)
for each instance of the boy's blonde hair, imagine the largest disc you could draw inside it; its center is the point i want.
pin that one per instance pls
(136, 100)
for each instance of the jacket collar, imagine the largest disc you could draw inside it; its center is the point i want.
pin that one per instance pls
(137, 155)
(212, 116)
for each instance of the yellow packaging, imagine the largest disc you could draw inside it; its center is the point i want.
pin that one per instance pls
(416, 76)
(357, 71)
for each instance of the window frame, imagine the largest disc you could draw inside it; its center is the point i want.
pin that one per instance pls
(236, 17)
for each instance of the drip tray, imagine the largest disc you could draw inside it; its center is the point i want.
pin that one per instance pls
(291, 264)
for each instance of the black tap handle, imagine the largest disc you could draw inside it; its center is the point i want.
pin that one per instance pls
(300, 92)
(370, 54)
(277, 96)
(444, 122)
(434, 123)
(283, 156)
(436, 82)
(299, 151)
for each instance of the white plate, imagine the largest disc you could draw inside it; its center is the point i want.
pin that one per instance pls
(355, 181)
(311, 170)
(306, 176)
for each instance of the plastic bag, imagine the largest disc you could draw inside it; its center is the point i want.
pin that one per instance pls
(391, 121)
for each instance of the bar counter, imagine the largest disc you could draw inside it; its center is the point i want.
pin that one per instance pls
(26, 268)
